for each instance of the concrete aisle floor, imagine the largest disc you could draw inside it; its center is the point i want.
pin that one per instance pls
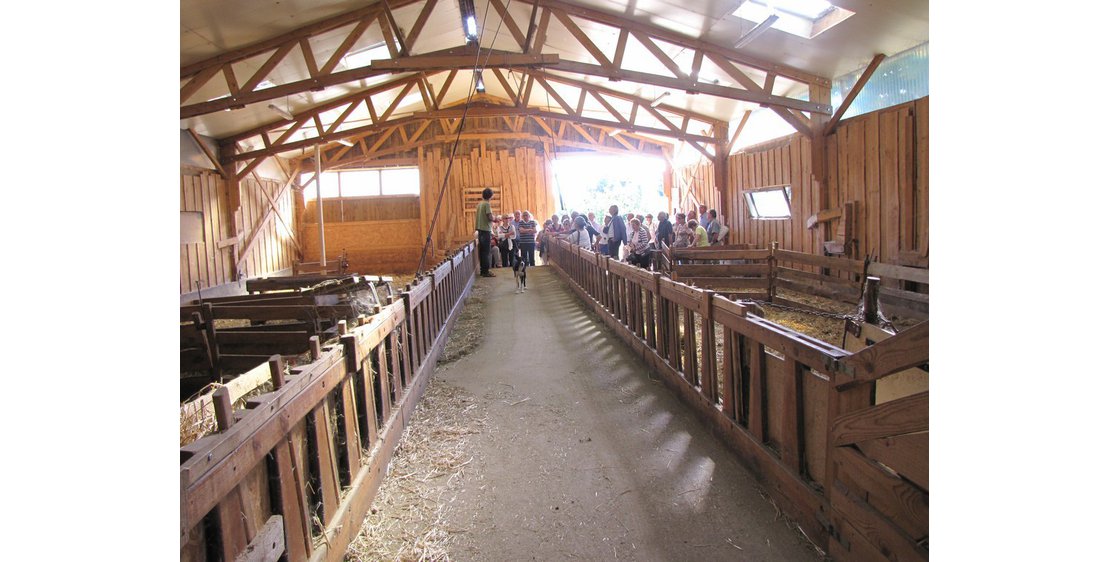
(587, 457)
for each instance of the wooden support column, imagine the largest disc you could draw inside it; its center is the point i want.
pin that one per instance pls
(820, 94)
(720, 169)
(231, 210)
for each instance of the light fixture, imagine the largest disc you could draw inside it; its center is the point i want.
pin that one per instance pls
(288, 116)
(346, 142)
(658, 100)
(480, 86)
(759, 29)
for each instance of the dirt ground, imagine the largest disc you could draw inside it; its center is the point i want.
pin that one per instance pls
(555, 443)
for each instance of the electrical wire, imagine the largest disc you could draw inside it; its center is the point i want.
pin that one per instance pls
(462, 122)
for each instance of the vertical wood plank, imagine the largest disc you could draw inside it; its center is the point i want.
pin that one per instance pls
(728, 397)
(757, 396)
(352, 441)
(294, 507)
(793, 436)
(326, 456)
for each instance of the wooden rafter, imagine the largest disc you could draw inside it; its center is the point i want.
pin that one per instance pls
(856, 88)
(278, 48)
(736, 135)
(417, 134)
(510, 24)
(208, 153)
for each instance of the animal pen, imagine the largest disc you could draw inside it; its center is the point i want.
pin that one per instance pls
(840, 448)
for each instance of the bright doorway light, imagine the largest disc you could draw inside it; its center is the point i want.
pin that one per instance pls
(593, 182)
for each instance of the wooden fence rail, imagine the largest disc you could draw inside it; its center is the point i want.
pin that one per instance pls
(771, 398)
(759, 273)
(296, 472)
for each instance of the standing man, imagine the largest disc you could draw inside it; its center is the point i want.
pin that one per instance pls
(664, 233)
(714, 228)
(483, 223)
(617, 233)
(703, 216)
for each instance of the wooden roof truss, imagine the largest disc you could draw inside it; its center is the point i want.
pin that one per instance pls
(541, 77)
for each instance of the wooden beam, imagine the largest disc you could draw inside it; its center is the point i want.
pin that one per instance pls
(736, 134)
(211, 157)
(582, 38)
(753, 95)
(346, 45)
(835, 121)
(510, 24)
(448, 62)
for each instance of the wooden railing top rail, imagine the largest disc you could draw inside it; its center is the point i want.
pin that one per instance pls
(842, 264)
(219, 462)
(214, 470)
(909, 348)
(719, 253)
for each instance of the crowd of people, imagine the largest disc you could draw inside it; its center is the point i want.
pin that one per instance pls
(631, 237)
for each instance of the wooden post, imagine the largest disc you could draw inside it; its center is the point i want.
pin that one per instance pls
(314, 350)
(819, 152)
(277, 370)
(708, 350)
(342, 327)
(221, 401)
(871, 300)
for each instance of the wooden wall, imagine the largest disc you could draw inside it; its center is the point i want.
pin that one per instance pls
(204, 262)
(230, 219)
(522, 173)
(356, 209)
(373, 247)
(879, 160)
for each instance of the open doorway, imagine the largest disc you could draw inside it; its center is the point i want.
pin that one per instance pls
(592, 182)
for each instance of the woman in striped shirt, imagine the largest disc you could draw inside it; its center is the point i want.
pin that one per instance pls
(639, 244)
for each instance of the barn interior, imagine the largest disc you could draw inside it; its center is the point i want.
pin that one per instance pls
(332, 158)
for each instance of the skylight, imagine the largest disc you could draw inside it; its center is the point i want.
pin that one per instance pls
(362, 57)
(471, 27)
(804, 18)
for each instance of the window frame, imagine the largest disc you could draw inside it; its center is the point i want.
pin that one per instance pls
(753, 208)
(310, 193)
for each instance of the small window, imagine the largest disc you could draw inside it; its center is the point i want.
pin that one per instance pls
(360, 183)
(400, 181)
(364, 183)
(769, 203)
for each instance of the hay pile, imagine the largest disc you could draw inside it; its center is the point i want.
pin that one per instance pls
(470, 326)
(199, 422)
(408, 520)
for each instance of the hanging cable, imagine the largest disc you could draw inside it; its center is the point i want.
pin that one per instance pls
(554, 148)
(462, 122)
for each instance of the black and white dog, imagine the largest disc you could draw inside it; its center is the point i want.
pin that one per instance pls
(520, 271)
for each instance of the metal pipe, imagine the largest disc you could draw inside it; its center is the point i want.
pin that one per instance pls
(320, 211)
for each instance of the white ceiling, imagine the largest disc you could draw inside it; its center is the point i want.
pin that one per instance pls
(214, 27)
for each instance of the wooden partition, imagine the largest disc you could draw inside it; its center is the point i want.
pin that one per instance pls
(878, 169)
(760, 273)
(295, 473)
(771, 400)
(248, 230)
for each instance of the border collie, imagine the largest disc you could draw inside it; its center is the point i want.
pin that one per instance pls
(520, 271)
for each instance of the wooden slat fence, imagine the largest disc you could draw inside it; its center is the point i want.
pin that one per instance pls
(769, 396)
(314, 451)
(759, 273)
